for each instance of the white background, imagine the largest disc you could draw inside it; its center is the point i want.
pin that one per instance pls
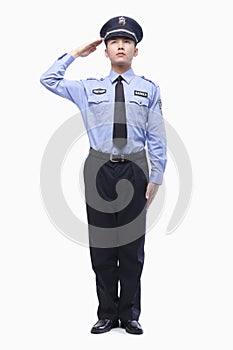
(48, 298)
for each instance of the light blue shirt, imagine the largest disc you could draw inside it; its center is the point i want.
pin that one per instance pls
(95, 100)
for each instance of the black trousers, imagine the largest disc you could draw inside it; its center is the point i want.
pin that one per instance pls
(116, 216)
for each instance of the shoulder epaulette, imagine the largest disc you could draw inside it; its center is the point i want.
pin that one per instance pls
(142, 76)
(92, 79)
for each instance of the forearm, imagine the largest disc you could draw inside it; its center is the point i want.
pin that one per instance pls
(157, 154)
(157, 169)
(53, 78)
(156, 139)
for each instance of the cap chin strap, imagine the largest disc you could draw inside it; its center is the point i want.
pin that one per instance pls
(121, 30)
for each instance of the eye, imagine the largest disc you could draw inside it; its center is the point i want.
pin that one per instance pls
(128, 41)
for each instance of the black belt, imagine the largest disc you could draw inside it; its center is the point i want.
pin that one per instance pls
(116, 158)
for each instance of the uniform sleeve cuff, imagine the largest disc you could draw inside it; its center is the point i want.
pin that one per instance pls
(67, 59)
(156, 178)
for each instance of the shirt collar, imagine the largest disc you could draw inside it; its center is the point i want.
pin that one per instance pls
(127, 76)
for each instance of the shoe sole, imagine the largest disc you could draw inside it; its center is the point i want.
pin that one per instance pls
(133, 332)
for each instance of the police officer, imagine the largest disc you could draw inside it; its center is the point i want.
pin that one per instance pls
(122, 115)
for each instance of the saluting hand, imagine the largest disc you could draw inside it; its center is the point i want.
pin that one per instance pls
(86, 49)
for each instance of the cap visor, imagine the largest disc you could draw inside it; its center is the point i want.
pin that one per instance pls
(119, 34)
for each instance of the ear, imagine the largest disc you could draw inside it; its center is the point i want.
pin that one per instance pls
(106, 52)
(135, 52)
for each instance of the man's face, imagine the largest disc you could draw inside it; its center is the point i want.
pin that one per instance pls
(121, 50)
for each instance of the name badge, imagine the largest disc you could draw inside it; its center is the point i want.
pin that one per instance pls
(140, 93)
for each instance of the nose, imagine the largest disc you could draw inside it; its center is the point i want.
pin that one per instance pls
(120, 45)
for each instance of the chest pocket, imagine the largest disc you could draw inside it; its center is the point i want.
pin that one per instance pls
(96, 99)
(99, 109)
(138, 110)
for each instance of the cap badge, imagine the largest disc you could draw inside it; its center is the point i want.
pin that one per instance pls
(122, 21)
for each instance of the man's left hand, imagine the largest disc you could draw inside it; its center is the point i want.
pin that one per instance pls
(151, 190)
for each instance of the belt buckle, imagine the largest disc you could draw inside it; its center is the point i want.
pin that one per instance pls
(118, 158)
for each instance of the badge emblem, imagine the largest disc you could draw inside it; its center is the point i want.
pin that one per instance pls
(99, 91)
(160, 105)
(122, 21)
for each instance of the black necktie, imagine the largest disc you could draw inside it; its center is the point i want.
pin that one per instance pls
(119, 127)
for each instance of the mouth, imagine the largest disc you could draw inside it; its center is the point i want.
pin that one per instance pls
(120, 54)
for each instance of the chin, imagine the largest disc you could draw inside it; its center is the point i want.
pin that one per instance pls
(121, 63)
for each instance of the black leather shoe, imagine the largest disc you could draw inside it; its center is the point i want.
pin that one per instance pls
(132, 326)
(103, 326)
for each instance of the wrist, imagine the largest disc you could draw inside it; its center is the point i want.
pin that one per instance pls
(74, 53)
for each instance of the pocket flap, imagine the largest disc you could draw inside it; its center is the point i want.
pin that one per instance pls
(141, 101)
(97, 98)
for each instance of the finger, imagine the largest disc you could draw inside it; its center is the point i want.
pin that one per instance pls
(151, 198)
(96, 42)
(147, 192)
(148, 203)
(148, 200)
